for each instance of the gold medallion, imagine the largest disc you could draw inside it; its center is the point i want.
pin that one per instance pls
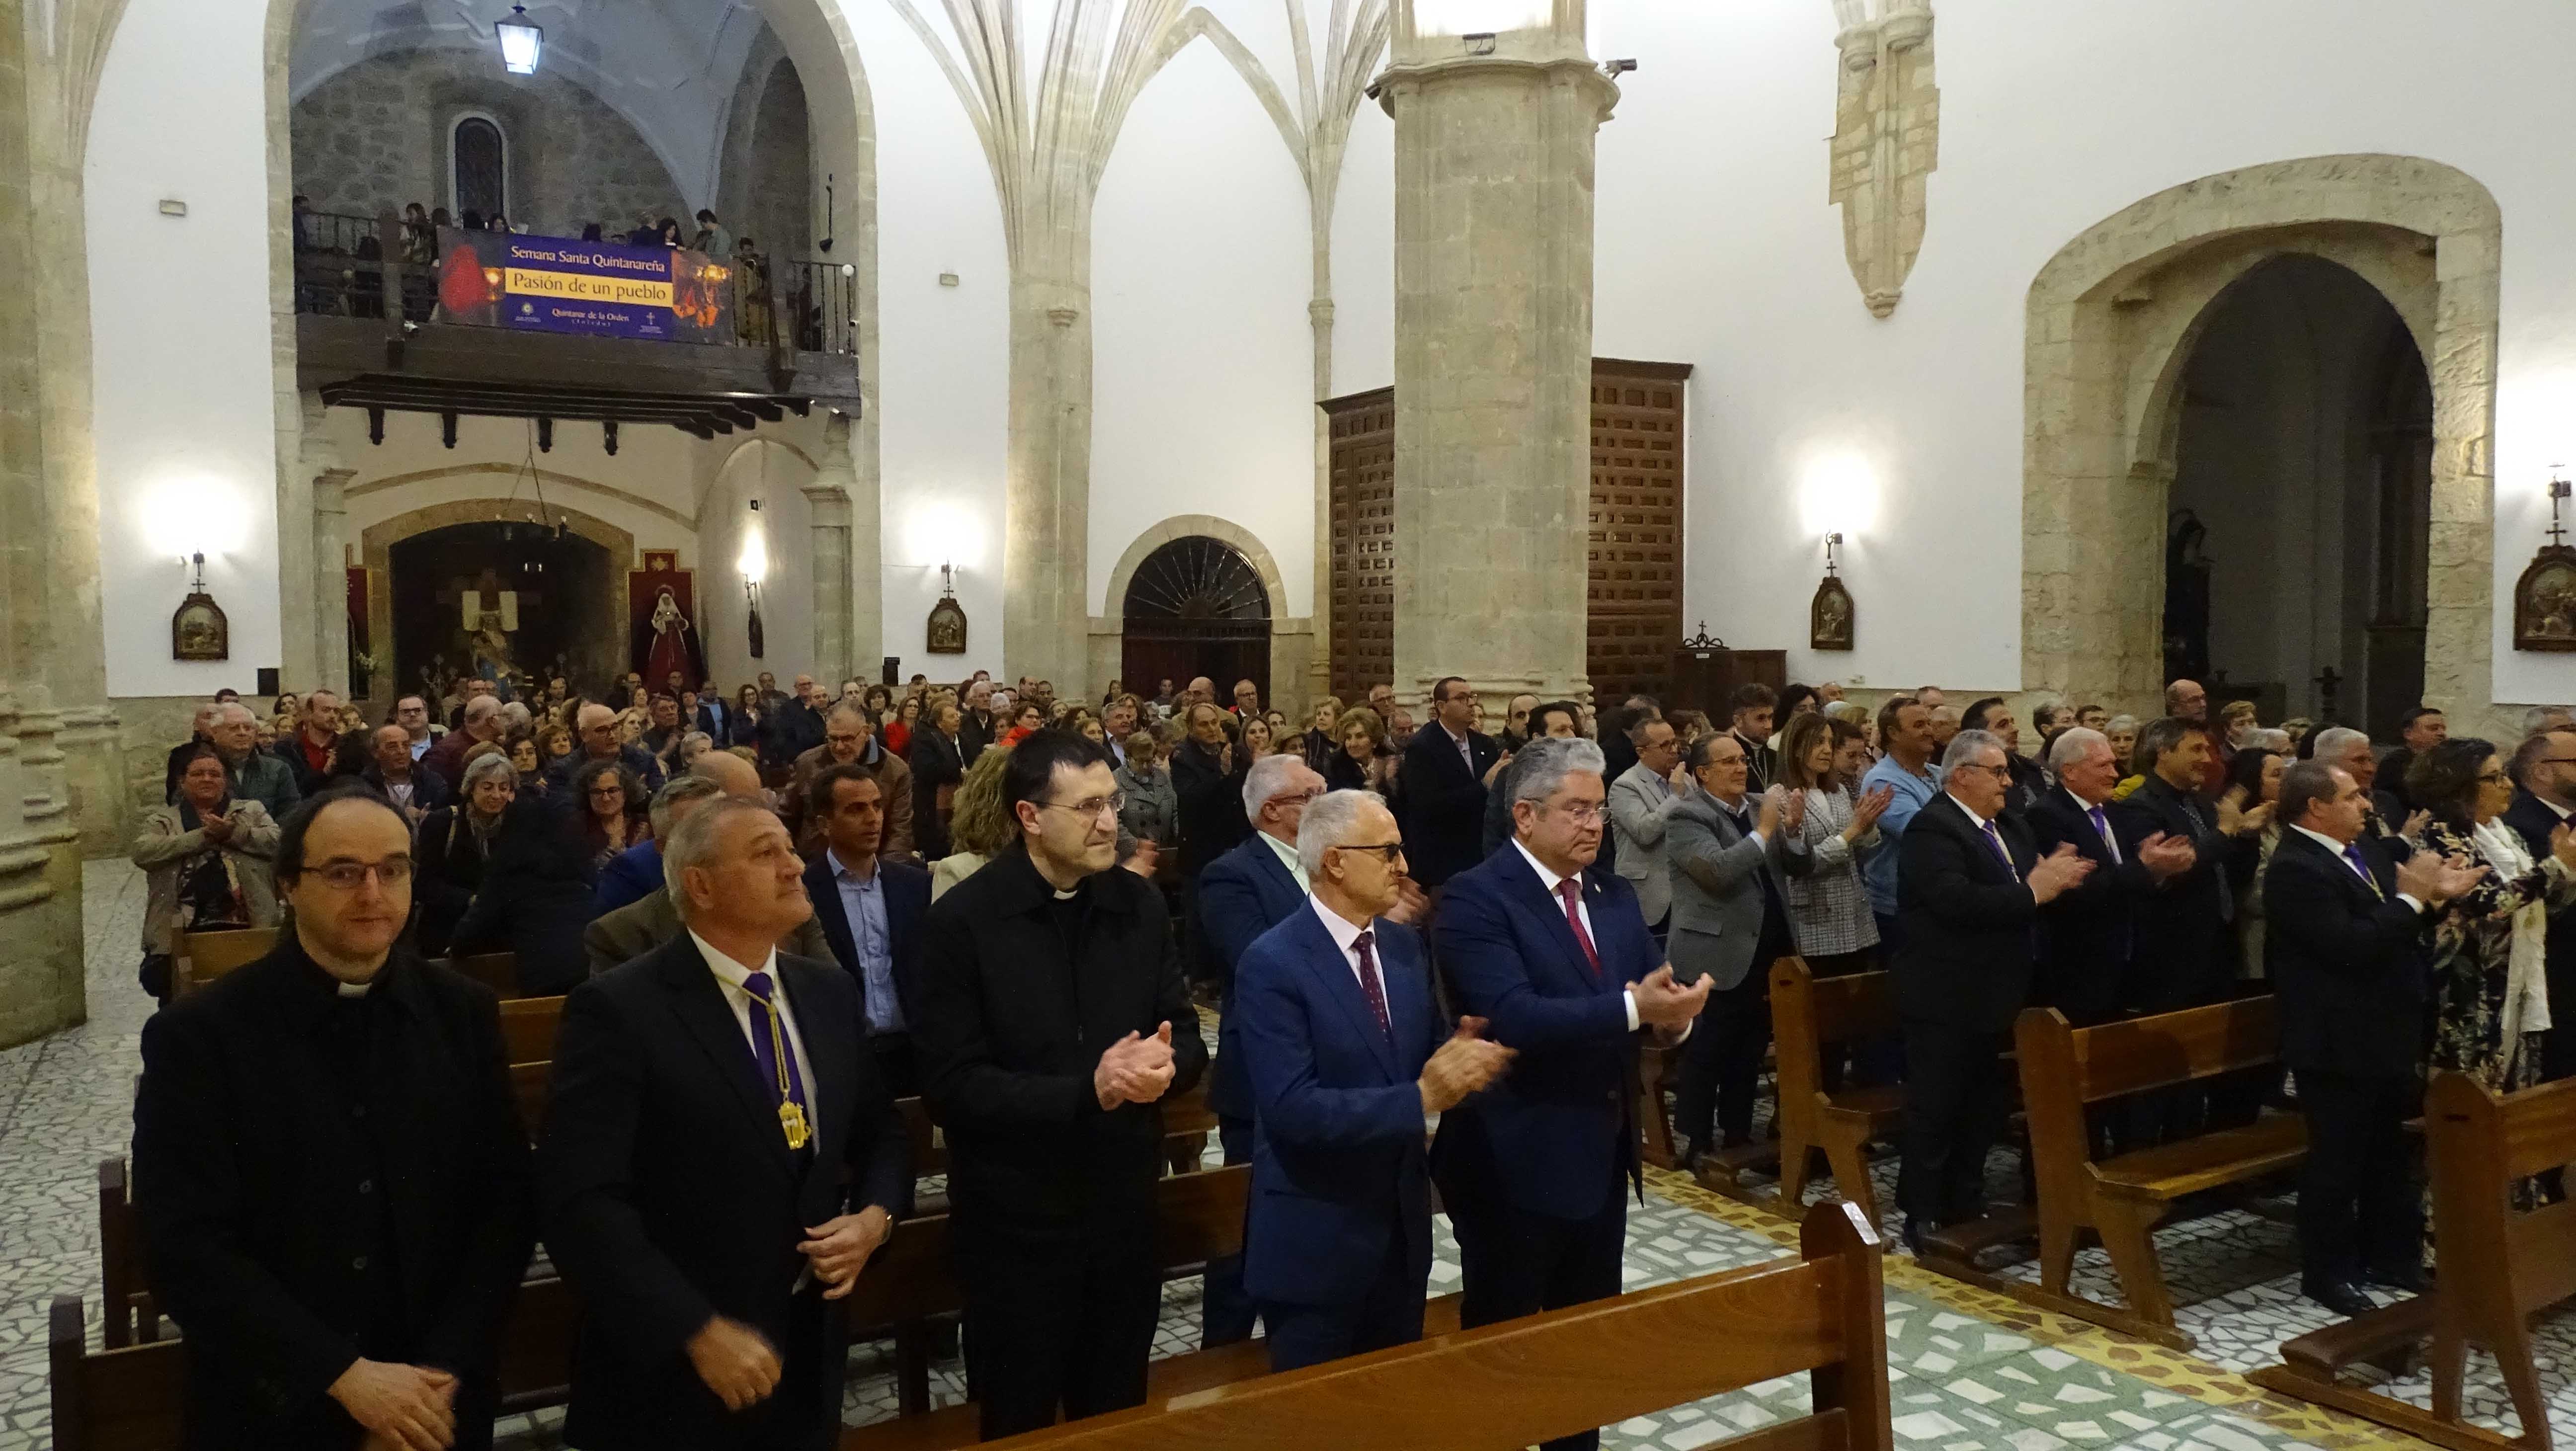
(791, 1117)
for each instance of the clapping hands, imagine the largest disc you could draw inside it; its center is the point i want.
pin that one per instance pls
(2058, 872)
(1135, 1069)
(1461, 1066)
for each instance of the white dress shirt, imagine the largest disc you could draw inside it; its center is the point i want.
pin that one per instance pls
(1582, 907)
(1984, 823)
(1346, 936)
(730, 976)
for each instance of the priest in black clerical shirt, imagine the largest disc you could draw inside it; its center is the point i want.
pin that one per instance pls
(330, 1170)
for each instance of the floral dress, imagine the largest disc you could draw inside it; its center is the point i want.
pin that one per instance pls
(2479, 998)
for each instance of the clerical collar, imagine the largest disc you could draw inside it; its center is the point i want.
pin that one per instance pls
(353, 989)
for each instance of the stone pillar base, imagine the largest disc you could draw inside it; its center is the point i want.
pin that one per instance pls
(94, 772)
(41, 983)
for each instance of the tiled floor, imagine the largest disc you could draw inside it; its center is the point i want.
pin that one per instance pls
(1969, 1370)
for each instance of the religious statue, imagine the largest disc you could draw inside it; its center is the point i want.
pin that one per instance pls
(945, 631)
(670, 652)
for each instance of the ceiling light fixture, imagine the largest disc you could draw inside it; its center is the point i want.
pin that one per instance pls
(522, 42)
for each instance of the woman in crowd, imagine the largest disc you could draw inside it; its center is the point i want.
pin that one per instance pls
(1256, 739)
(898, 731)
(455, 847)
(639, 698)
(631, 725)
(2490, 991)
(1153, 808)
(1688, 725)
(205, 859)
(2235, 720)
(288, 704)
(553, 744)
(979, 827)
(742, 723)
(878, 701)
(1088, 724)
(1026, 720)
(2122, 733)
(535, 900)
(529, 763)
(609, 803)
(2254, 784)
(694, 745)
(938, 761)
(1322, 742)
(1823, 758)
(1365, 762)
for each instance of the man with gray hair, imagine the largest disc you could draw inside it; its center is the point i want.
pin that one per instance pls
(1556, 955)
(1349, 1057)
(654, 919)
(2547, 718)
(257, 775)
(2084, 938)
(1969, 890)
(1249, 889)
(720, 1160)
(850, 739)
(2350, 749)
(480, 721)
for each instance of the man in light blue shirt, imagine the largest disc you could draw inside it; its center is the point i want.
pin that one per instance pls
(1905, 735)
(871, 911)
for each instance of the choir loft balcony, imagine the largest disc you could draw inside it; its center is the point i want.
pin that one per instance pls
(388, 321)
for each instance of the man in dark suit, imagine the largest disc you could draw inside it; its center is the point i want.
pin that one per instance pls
(2085, 937)
(871, 909)
(1968, 890)
(2544, 766)
(2184, 955)
(1752, 705)
(1053, 1020)
(1348, 1054)
(708, 1100)
(329, 1167)
(1557, 959)
(1446, 770)
(2344, 942)
(1244, 893)
(395, 776)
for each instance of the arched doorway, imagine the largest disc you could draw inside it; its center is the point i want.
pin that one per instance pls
(1196, 606)
(539, 602)
(2301, 496)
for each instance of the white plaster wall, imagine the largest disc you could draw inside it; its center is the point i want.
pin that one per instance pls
(184, 416)
(775, 476)
(1364, 256)
(944, 360)
(658, 473)
(1717, 248)
(1203, 363)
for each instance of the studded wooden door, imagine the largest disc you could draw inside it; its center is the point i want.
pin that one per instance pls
(1635, 598)
(1362, 480)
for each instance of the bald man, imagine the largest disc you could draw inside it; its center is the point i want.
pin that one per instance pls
(480, 722)
(596, 731)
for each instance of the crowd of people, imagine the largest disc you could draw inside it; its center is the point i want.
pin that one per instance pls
(778, 910)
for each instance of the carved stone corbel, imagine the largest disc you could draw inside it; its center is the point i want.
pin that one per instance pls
(1887, 131)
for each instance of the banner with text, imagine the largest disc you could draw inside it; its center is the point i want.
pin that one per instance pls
(563, 285)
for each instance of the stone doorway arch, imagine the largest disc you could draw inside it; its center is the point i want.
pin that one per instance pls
(2111, 323)
(376, 551)
(1291, 639)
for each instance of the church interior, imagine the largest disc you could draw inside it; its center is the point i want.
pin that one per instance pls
(1566, 350)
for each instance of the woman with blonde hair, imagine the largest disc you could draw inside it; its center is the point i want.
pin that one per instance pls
(1363, 761)
(979, 824)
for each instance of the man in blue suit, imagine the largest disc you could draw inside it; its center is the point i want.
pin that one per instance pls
(871, 911)
(1558, 960)
(1349, 1056)
(1256, 885)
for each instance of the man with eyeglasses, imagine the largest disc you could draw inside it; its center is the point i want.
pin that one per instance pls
(1053, 1021)
(1447, 769)
(596, 730)
(2544, 768)
(1553, 952)
(283, 1112)
(1971, 888)
(850, 739)
(1252, 888)
(1349, 1058)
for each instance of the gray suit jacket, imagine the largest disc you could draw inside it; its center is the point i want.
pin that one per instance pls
(1715, 873)
(1640, 801)
(617, 938)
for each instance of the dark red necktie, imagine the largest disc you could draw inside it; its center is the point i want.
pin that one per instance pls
(1571, 889)
(1369, 983)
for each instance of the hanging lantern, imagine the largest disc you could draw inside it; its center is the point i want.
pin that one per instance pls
(522, 42)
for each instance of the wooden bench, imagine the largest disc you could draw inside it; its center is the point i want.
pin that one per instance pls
(2121, 1199)
(1658, 1068)
(498, 971)
(127, 1298)
(204, 956)
(528, 1036)
(130, 1398)
(2500, 1266)
(1809, 1016)
(1508, 1385)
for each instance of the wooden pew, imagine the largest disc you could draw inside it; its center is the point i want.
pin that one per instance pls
(1187, 1124)
(528, 1034)
(1810, 1016)
(129, 1399)
(127, 1298)
(498, 971)
(204, 956)
(1658, 1068)
(2499, 1267)
(2064, 1068)
(1508, 1385)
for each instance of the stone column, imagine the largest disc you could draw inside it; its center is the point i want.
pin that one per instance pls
(331, 583)
(300, 458)
(1493, 354)
(863, 528)
(829, 505)
(1046, 548)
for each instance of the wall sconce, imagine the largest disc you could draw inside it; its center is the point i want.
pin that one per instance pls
(754, 565)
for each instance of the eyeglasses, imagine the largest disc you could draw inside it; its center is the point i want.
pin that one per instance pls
(1095, 806)
(1389, 852)
(602, 793)
(2494, 778)
(1579, 813)
(345, 876)
(2000, 773)
(1293, 798)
